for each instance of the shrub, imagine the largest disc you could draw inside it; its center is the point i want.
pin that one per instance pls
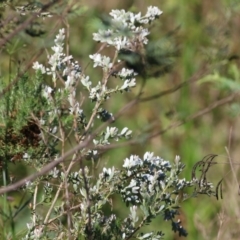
(44, 111)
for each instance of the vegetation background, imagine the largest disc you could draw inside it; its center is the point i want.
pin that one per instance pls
(201, 49)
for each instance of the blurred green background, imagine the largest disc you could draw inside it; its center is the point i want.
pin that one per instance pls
(198, 38)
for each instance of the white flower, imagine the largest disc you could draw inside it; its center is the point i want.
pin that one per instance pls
(71, 98)
(47, 92)
(86, 82)
(126, 73)
(120, 15)
(42, 122)
(177, 159)
(133, 161)
(126, 21)
(54, 172)
(103, 36)
(28, 184)
(133, 213)
(40, 67)
(148, 156)
(142, 36)
(107, 171)
(30, 226)
(129, 83)
(111, 132)
(153, 12)
(60, 37)
(54, 130)
(121, 42)
(70, 81)
(96, 59)
(57, 49)
(126, 132)
(25, 156)
(137, 17)
(101, 61)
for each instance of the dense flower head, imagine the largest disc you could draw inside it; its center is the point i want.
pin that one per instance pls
(126, 30)
(149, 176)
(153, 12)
(60, 63)
(125, 73)
(101, 61)
(63, 68)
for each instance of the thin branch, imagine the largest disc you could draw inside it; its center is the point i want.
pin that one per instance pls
(57, 193)
(87, 141)
(192, 79)
(89, 223)
(46, 168)
(34, 204)
(200, 113)
(176, 124)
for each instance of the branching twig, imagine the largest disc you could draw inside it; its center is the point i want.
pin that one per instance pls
(176, 124)
(200, 113)
(57, 194)
(192, 79)
(46, 168)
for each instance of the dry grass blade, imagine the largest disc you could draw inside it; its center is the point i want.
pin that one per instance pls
(205, 162)
(219, 189)
(204, 186)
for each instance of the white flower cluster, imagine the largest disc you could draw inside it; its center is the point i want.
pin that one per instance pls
(152, 13)
(113, 133)
(128, 83)
(58, 60)
(62, 66)
(128, 76)
(126, 33)
(128, 23)
(153, 178)
(135, 161)
(126, 73)
(34, 232)
(101, 61)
